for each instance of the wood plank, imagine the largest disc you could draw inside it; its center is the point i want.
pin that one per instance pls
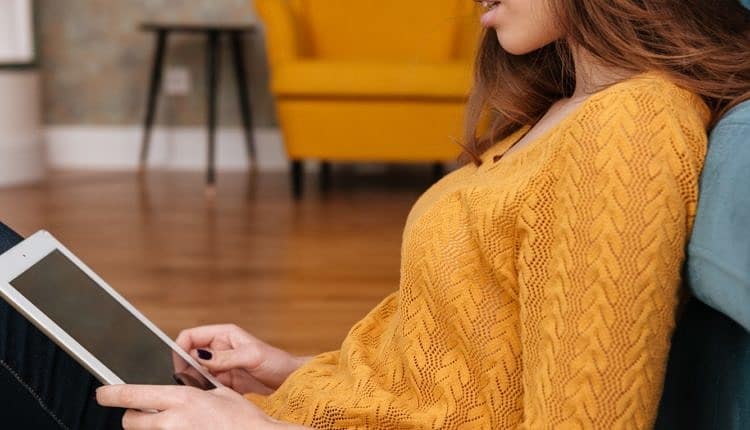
(297, 274)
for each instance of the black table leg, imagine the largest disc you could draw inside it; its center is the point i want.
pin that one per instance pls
(153, 93)
(243, 91)
(212, 80)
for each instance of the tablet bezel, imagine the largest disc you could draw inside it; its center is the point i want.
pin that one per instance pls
(29, 252)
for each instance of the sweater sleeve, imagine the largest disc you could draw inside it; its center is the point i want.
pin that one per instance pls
(599, 264)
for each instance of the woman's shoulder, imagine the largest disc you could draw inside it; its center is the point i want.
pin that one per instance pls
(656, 92)
(644, 119)
(651, 106)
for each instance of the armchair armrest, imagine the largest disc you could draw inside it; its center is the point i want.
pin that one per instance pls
(280, 30)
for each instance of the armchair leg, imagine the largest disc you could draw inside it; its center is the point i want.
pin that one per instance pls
(298, 172)
(438, 171)
(325, 176)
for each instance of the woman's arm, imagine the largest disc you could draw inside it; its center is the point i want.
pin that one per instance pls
(600, 262)
(186, 408)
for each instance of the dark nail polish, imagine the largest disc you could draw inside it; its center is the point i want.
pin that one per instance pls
(204, 355)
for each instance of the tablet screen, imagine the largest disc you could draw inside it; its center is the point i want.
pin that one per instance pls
(102, 325)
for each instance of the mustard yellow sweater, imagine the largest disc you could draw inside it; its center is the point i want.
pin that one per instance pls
(538, 291)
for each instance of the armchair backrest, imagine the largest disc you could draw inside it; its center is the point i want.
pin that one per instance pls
(381, 30)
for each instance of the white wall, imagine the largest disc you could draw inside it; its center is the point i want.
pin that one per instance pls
(21, 157)
(179, 148)
(16, 31)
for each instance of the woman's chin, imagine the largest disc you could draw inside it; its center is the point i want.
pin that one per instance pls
(512, 48)
(515, 47)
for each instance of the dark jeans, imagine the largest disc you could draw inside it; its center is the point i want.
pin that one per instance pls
(41, 386)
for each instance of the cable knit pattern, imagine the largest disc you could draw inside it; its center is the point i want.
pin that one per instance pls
(538, 291)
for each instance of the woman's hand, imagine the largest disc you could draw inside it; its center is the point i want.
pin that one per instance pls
(185, 408)
(237, 359)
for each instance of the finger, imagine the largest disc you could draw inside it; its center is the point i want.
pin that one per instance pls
(202, 336)
(224, 392)
(137, 420)
(246, 357)
(242, 382)
(226, 379)
(252, 385)
(155, 397)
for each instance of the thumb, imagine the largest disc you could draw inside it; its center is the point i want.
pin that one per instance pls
(245, 357)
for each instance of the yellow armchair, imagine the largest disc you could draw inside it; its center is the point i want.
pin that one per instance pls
(369, 80)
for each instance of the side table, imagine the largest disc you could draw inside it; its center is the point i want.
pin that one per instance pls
(213, 32)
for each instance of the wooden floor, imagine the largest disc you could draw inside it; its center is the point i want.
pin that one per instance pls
(295, 274)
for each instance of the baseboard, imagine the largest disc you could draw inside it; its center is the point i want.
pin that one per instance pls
(179, 148)
(21, 160)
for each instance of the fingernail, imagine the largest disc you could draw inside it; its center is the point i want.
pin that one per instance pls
(204, 355)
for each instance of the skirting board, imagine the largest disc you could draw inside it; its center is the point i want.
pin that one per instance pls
(178, 148)
(21, 160)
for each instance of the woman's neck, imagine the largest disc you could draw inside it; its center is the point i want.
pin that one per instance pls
(592, 76)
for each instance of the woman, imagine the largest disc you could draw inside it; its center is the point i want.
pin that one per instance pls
(539, 283)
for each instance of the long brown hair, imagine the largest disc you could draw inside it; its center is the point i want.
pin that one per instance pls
(701, 46)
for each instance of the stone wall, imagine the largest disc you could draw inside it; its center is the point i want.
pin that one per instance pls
(96, 62)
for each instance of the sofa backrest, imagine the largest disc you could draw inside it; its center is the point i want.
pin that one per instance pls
(385, 30)
(707, 384)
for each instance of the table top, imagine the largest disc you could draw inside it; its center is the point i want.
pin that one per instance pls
(198, 26)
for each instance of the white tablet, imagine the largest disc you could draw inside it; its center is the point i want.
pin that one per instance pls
(66, 300)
